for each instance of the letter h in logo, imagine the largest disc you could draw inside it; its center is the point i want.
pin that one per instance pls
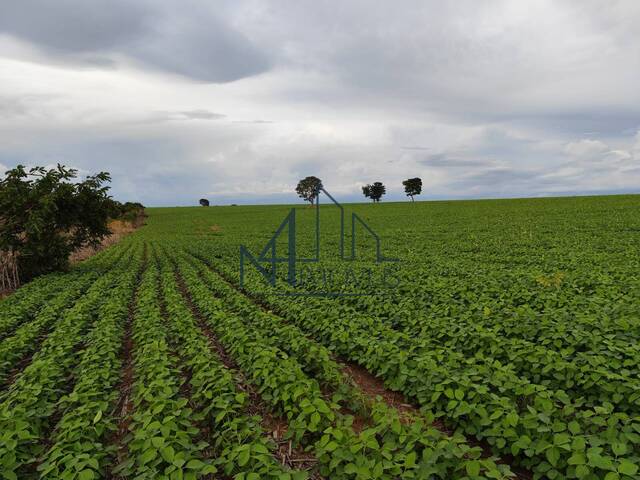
(269, 256)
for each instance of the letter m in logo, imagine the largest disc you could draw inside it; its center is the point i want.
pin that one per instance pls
(269, 256)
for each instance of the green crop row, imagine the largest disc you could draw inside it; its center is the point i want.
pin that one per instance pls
(239, 446)
(588, 332)
(26, 302)
(584, 376)
(162, 441)
(25, 339)
(23, 305)
(579, 375)
(388, 449)
(27, 408)
(80, 449)
(514, 325)
(542, 429)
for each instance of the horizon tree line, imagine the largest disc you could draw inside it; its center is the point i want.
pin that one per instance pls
(309, 187)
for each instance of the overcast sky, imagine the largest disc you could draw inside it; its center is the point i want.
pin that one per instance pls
(235, 101)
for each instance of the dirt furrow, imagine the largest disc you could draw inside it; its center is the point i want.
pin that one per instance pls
(124, 406)
(275, 426)
(370, 385)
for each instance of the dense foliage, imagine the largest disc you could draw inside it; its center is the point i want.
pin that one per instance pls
(308, 188)
(412, 187)
(374, 191)
(44, 216)
(513, 333)
(128, 211)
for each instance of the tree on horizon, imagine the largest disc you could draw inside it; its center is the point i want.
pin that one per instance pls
(374, 191)
(308, 188)
(412, 186)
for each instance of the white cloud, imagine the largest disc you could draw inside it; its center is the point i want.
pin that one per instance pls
(586, 148)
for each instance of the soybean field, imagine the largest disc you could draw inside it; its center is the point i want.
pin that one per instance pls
(506, 347)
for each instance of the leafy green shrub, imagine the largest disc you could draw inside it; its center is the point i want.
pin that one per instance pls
(44, 216)
(128, 211)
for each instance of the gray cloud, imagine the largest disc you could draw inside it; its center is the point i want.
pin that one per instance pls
(494, 98)
(74, 26)
(186, 38)
(199, 45)
(201, 115)
(473, 62)
(16, 106)
(189, 115)
(12, 107)
(498, 177)
(442, 160)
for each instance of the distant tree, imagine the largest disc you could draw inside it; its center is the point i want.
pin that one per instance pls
(45, 215)
(308, 188)
(204, 202)
(128, 211)
(374, 191)
(412, 186)
(366, 191)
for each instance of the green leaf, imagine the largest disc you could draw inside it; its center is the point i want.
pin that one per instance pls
(350, 468)
(208, 469)
(98, 416)
(157, 442)
(577, 459)
(168, 454)
(619, 448)
(574, 427)
(473, 468)
(243, 457)
(86, 474)
(553, 455)
(410, 459)
(627, 467)
(331, 446)
(582, 471)
(194, 464)
(147, 456)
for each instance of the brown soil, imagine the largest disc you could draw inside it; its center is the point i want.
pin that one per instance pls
(124, 407)
(372, 387)
(274, 426)
(17, 369)
(119, 230)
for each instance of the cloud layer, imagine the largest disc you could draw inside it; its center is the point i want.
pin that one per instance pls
(238, 100)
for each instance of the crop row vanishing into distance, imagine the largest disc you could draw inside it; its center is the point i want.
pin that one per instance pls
(507, 348)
